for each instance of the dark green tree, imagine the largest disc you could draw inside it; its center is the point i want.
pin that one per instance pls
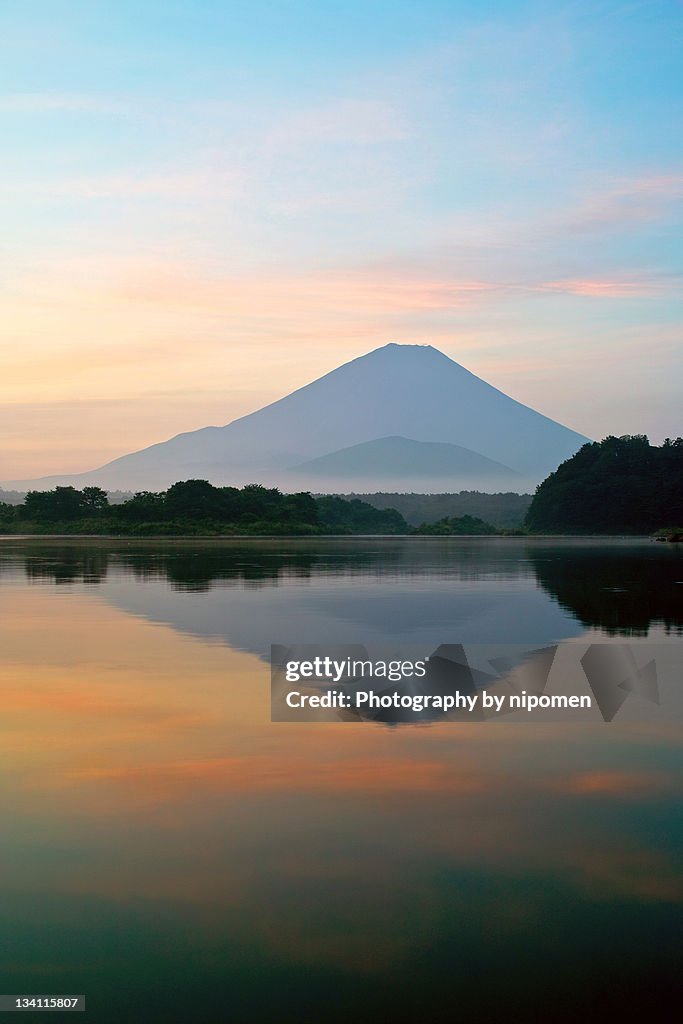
(301, 508)
(94, 499)
(60, 505)
(259, 503)
(8, 514)
(456, 526)
(196, 499)
(144, 506)
(340, 516)
(619, 485)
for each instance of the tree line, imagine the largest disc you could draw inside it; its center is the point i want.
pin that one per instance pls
(620, 485)
(504, 509)
(197, 507)
(191, 507)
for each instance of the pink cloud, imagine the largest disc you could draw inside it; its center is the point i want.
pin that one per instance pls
(606, 288)
(643, 199)
(353, 292)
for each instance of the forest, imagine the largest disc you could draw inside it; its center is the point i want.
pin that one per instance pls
(622, 485)
(194, 508)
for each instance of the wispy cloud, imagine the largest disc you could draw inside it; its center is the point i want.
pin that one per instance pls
(48, 102)
(613, 288)
(629, 202)
(343, 121)
(467, 181)
(286, 295)
(172, 186)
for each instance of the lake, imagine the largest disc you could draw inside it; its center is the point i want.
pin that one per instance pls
(172, 854)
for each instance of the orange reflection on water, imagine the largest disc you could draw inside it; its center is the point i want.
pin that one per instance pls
(149, 757)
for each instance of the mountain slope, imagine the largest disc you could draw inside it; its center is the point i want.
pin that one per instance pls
(409, 391)
(399, 462)
(400, 456)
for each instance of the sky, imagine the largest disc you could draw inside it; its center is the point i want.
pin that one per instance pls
(207, 205)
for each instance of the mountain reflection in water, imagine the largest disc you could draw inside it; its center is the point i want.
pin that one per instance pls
(174, 855)
(622, 588)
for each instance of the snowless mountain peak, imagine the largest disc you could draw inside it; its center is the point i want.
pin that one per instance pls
(411, 392)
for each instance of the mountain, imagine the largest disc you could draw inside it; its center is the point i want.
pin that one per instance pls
(413, 392)
(399, 461)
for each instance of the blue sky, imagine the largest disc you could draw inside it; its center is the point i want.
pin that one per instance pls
(207, 205)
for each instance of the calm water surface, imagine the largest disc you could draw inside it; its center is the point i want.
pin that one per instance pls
(170, 853)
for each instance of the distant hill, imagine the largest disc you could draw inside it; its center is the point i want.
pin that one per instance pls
(389, 460)
(12, 497)
(412, 392)
(505, 510)
(17, 497)
(619, 485)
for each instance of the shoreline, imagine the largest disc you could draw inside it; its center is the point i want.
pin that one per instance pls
(330, 536)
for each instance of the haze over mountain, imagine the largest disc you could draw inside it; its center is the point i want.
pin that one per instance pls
(391, 462)
(361, 424)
